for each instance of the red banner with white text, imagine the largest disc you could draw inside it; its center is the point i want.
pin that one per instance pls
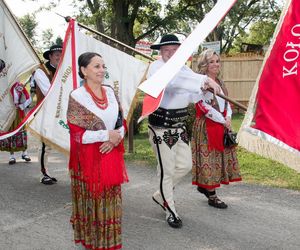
(274, 114)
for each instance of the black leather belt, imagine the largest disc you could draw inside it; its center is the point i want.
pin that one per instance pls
(168, 118)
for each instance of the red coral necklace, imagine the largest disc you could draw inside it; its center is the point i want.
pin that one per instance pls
(101, 103)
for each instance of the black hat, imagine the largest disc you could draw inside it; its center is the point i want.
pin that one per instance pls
(166, 40)
(52, 49)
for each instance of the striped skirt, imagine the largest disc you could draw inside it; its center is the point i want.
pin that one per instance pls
(96, 220)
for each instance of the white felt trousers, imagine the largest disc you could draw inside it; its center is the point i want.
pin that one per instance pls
(176, 158)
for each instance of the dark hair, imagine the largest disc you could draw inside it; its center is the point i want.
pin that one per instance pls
(84, 60)
(2, 65)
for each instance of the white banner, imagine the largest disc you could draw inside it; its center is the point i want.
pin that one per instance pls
(124, 72)
(17, 58)
(156, 83)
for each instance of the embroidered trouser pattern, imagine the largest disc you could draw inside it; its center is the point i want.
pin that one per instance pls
(175, 156)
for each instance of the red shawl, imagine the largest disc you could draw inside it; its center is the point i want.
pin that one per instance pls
(90, 166)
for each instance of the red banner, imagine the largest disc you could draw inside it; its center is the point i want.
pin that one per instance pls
(278, 98)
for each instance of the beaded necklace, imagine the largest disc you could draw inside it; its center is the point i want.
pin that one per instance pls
(101, 103)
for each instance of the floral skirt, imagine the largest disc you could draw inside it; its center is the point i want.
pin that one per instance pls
(211, 168)
(17, 142)
(96, 220)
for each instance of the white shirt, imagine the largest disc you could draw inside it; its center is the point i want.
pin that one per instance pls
(108, 115)
(42, 81)
(185, 88)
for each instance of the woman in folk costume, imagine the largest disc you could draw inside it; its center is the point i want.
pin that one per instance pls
(96, 165)
(17, 142)
(213, 164)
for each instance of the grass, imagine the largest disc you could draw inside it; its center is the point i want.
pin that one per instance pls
(254, 168)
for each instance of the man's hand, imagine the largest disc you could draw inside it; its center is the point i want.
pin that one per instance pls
(210, 83)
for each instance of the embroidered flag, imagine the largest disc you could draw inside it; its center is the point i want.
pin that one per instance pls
(271, 126)
(124, 73)
(14, 63)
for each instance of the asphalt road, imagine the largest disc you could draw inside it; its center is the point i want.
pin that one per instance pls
(34, 216)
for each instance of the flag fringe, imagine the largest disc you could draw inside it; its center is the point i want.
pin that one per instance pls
(48, 142)
(270, 150)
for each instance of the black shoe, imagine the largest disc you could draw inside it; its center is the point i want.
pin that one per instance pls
(26, 158)
(216, 202)
(12, 161)
(47, 180)
(174, 222)
(203, 191)
(158, 203)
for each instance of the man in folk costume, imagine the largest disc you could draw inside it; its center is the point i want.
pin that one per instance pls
(43, 79)
(167, 125)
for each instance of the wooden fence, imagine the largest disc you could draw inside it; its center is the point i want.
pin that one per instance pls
(239, 74)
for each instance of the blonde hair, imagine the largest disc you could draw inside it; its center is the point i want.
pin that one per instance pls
(204, 58)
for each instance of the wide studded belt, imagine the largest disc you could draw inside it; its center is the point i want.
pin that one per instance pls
(168, 118)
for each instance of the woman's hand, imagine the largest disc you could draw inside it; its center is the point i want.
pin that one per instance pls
(106, 147)
(115, 137)
(210, 83)
(227, 123)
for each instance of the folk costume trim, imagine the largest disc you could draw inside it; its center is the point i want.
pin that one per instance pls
(170, 138)
(215, 130)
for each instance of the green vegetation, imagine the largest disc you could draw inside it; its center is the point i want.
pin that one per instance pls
(255, 169)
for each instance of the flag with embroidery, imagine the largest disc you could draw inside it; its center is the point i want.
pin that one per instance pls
(17, 59)
(124, 73)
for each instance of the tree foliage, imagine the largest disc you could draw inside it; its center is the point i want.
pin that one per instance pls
(47, 38)
(131, 20)
(28, 23)
(237, 21)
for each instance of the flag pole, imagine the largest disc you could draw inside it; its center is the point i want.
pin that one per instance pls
(239, 105)
(68, 18)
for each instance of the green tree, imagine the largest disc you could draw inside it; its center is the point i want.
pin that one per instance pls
(47, 38)
(237, 21)
(59, 40)
(29, 24)
(131, 20)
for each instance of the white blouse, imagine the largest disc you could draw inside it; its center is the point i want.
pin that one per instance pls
(108, 115)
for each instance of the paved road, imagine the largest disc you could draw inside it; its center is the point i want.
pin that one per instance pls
(36, 217)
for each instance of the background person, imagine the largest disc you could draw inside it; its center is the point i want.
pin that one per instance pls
(213, 164)
(17, 142)
(42, 79)
(96, 165)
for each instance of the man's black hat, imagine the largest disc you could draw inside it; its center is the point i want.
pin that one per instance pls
(168, 39)
(52, 49)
